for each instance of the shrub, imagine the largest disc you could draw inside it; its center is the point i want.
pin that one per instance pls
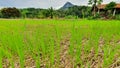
(71, 17)
(117, 17)
(10, 13)
(94, 17)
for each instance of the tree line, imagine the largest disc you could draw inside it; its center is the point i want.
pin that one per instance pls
(75, 11)
(71, 12)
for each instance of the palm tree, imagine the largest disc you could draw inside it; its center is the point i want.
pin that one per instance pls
(94, 3)
(51, 12)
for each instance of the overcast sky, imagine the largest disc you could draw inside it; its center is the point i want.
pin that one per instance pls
(43, 3)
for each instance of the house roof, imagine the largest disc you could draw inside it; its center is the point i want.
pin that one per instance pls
(102, 6)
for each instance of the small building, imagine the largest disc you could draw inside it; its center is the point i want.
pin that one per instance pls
(101, 8)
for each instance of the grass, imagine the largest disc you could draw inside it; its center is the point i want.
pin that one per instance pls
(59, 43)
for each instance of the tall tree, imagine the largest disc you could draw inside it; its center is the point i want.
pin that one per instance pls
(10, 12)
(51, 12)
(94, 3)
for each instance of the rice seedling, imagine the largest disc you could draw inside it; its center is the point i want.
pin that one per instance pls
(59, 43)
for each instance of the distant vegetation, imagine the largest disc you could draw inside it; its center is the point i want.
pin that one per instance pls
(68, 11)
(10, 13)
(75, 11)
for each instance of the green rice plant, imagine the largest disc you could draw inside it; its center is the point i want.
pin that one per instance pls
(8, 50)
(72, 39)
(78, 56)
(51, 51)
(42, 45)
(57, 46)
(41, 39)
(78, 49)
(40, 48)
(19, 46)
(8, 56)
(109, 54)
(1, 57)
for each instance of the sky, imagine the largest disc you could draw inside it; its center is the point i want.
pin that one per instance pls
(44, 3)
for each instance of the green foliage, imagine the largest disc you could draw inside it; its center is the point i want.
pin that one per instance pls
(95, 2)
(30, 13)
(97, 16)
(110, 6)
(0, 15)
(80, 11)
(71, 17)
(51, 12)
(70, 13)
(10, 13)
(117, 17)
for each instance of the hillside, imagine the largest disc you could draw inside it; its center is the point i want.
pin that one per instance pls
(67, 5)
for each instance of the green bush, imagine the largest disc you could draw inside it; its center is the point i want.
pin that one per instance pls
(71, 17)
(97, 16)
(10, 13)
(117, 17)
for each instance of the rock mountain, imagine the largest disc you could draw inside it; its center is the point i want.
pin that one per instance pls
(67, 5)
